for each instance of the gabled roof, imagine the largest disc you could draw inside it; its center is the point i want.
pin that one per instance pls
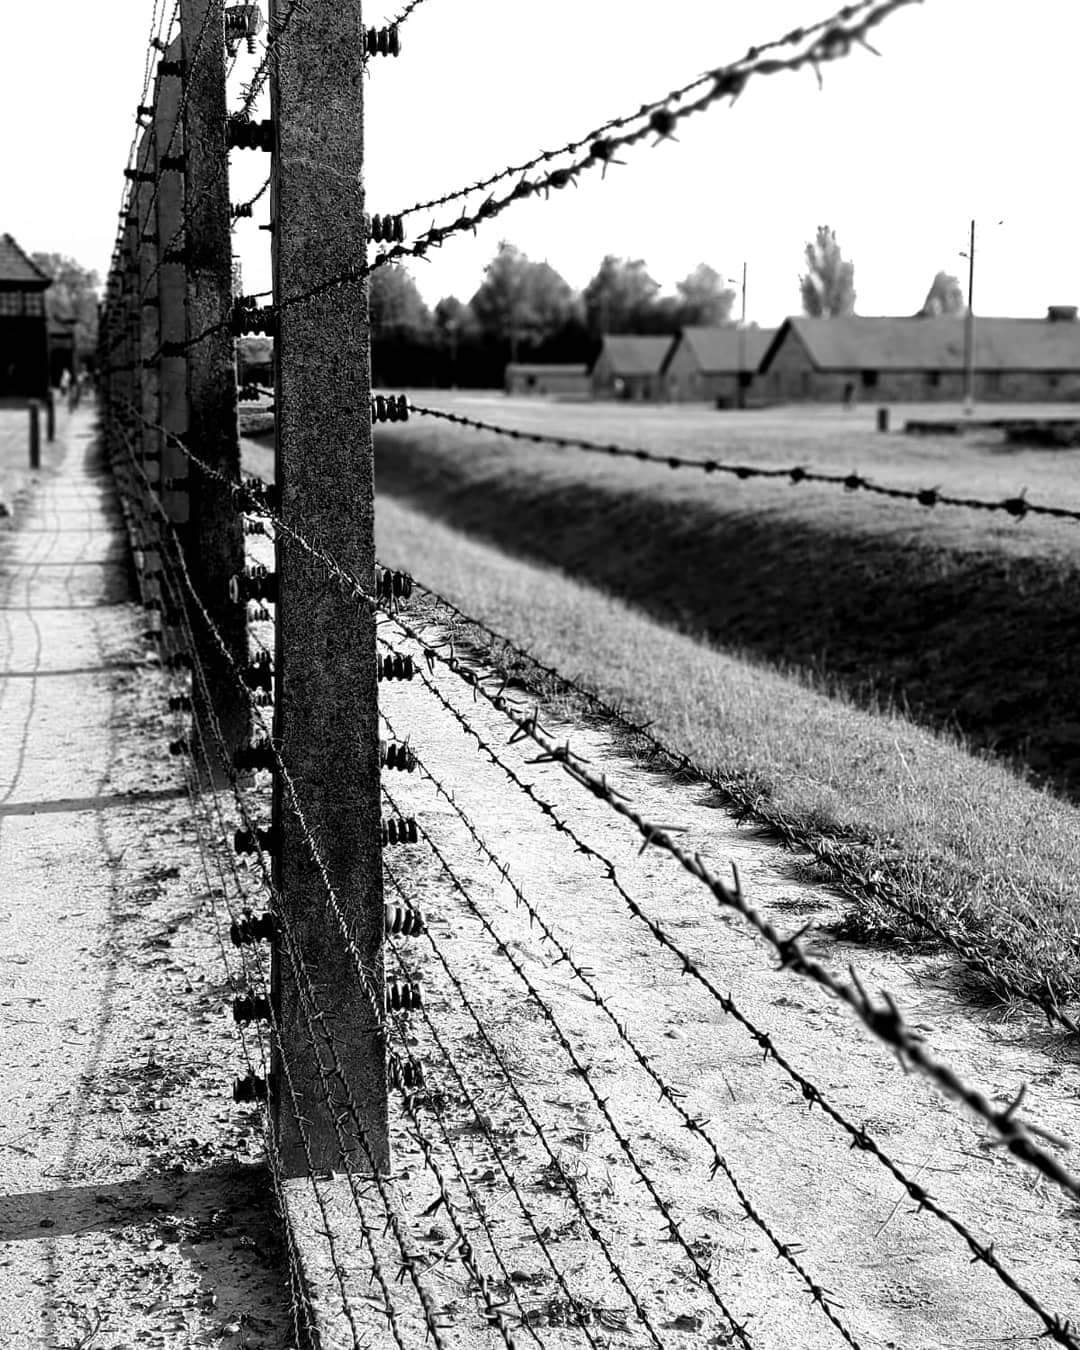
(632, 355)
(853, 343)
(16, 267)
(725, 349)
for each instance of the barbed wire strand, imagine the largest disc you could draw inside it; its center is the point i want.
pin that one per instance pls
(272, 1154)
(668, 1094)
(860, 1136)
(582, 1070)
(834, 42)
(309, 1003)
(1018, 506)
(1045, 1000)
(886, 1023)
(484, 1126)
(793, 38)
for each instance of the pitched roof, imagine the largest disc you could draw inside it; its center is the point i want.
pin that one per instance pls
(852, 343)
(632, 355)
(726, 349)
(15, 266)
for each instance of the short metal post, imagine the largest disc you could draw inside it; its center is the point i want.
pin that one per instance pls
(50, 417)
(326, 714)
(35, 434)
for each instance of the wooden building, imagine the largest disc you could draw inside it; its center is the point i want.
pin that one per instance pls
(716, 365)
(541, 377)
(901, 360)
(24, 339)
(630, 367)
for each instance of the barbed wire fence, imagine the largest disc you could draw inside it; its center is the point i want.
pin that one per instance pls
(275, 664)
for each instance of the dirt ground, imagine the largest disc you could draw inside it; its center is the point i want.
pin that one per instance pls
(899, 1278)
(135, 1205)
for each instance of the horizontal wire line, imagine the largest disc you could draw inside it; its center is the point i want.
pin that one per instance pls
(1017, 506)
(885, 1023)
(859, 1135)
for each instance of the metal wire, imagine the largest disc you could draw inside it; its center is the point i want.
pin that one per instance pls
(1018, 507)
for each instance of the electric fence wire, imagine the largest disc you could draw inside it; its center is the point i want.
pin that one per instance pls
(312, 1015)
(885, 1022)
(194, 781)
(668, 1094)
(492, 1311)
(1047, 999)
(833, 40)
(1017, 506)
(859, 1136)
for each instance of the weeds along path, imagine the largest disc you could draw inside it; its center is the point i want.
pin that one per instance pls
(903, 1277)
(964, 623)
(133, 1204)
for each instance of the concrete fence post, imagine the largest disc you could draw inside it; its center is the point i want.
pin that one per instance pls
(215, 535)
(325, 716)
(171, 285)
(147, 401)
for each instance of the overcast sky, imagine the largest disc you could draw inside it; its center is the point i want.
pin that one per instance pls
(971, 110)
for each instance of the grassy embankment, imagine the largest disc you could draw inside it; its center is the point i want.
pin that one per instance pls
(806, 614)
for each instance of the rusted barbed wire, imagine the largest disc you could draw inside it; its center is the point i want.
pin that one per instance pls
(1018, 506)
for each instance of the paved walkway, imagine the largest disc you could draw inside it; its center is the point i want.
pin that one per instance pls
(106, 1168)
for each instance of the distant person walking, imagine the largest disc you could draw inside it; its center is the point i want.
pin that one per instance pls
(65, 382)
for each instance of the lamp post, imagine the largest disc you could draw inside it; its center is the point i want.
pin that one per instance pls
(740, 393)
(969, 331)
(969, 327)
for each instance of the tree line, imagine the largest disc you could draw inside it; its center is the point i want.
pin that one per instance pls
(525, 311)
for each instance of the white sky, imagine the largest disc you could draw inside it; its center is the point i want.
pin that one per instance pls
(971, 110)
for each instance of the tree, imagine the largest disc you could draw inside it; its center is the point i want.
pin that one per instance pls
(828, 286)
(73, 295)
(397, 307)
(620, 298)
(520, 300)
(945, 296)
(703, 298)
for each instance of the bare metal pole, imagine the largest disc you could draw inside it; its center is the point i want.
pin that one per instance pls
(969, 332)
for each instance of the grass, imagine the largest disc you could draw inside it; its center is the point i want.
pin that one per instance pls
(770, 633)
(890, 811)
(960, 618)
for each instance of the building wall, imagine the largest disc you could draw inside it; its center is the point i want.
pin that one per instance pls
(547, 382)
(686, 382)
(792, 378)
(633, 388)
